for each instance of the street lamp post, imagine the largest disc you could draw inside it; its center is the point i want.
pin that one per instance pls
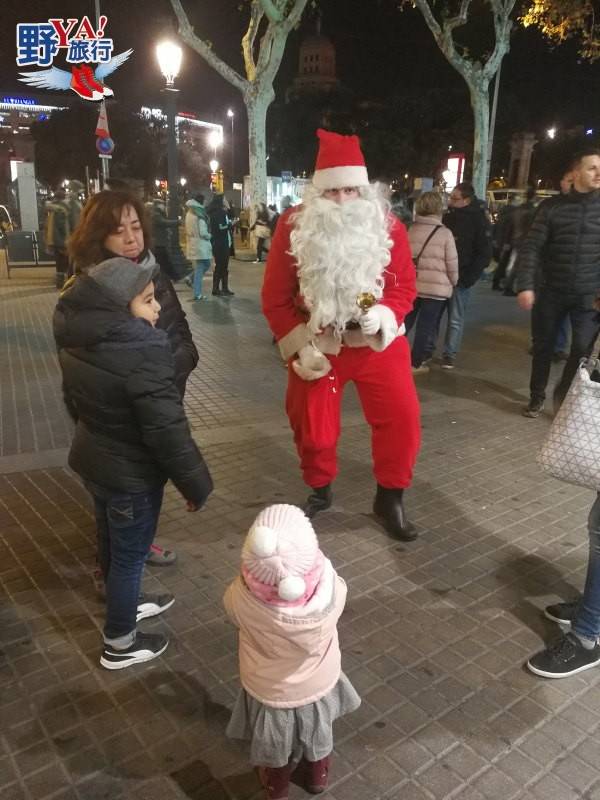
(231, 116)
(169, 60)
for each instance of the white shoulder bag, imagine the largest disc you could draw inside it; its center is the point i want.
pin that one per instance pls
(571, 451)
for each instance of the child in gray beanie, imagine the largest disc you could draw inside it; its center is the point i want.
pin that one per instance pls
(131, 436)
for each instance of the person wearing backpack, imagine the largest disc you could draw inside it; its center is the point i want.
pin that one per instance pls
(57, 232)
(436, 260)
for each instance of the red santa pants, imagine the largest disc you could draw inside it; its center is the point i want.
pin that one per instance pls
(389, 400)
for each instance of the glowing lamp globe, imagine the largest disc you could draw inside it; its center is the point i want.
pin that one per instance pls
(169, 60)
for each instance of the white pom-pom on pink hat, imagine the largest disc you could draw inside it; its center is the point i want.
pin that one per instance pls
(291, 588)
(262, 541)
(281, 547)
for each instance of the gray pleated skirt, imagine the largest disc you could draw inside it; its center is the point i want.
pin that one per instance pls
(277, 735)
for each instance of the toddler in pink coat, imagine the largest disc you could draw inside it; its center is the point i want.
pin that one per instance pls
(286, 603)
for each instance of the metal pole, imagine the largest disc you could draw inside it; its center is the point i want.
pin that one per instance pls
(105, 170)
(103, 161)
(179, 263)
(232, 152)
(172, 170)
(492, 125)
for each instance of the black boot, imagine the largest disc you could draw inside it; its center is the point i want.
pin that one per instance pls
(215, 290)
(318, 500)
(388, 507)
(225, 290)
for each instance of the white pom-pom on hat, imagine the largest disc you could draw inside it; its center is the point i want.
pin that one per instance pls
(291, 588)
(281, 544)
(262, 541)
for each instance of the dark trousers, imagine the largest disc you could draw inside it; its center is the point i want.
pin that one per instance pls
(548, 312)
(221, 271)
(260, 248)
(427, 313)
(63, 268)
(125, 529)
(500, 271)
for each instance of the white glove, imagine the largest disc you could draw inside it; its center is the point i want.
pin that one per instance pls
(311, 364)
(370, 321)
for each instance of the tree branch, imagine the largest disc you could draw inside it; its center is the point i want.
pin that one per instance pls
(443, 36)
(273, 42)
(460, 18)
(502, 9)
(187, 34)
(274, 14)
(293, 17)
(256, 15)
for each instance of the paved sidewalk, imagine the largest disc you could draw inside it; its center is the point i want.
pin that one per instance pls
(435, 632)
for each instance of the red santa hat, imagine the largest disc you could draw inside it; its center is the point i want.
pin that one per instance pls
(340, 162)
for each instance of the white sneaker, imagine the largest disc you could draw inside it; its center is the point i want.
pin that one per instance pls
(151, 605)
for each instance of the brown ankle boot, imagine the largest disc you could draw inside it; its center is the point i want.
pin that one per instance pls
(275, 781)
(316, 775)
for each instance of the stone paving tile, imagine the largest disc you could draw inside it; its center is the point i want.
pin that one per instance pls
(435, 632)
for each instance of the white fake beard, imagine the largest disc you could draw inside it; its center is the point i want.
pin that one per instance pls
(341, 251)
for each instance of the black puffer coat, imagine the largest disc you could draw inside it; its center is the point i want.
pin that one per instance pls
(172, 320)
(118, 379)
(561, 250)
(473, 236)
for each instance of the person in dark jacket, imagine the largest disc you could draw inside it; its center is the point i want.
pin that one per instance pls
(220, 231)
(114, 223)
(131, 436)
(558, 273)
(262, 230)
(514, 224)
(162, 231)
(57, 233)
(473, 236)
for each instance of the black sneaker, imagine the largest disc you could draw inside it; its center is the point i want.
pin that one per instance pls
(150, 605)
(447, 362)
(533, 409)
(563, 613)
(566, 656)
(146, 647)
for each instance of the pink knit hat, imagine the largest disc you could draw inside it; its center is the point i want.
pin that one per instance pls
(281, 560)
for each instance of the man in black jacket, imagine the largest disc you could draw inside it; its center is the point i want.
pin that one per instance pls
(473, 235)
(558, 273)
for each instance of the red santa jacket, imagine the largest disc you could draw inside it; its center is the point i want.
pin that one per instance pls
(282, 303)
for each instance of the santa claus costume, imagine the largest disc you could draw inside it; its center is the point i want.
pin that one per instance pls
(332, 257)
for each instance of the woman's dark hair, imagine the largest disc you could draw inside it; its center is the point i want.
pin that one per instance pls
(100, 217)
(199, 198)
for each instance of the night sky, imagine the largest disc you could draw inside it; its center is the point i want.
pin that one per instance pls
(379, 51)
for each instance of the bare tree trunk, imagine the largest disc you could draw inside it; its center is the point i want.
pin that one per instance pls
(476, 74)
(480, 103)
(263, 45)
(257, 104)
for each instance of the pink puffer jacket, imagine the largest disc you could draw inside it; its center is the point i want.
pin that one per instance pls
(289, 657)
(437, 270)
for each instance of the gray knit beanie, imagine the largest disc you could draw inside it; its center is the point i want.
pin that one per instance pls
(122, 279)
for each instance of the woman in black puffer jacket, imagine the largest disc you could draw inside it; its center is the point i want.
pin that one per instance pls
(114, 223)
